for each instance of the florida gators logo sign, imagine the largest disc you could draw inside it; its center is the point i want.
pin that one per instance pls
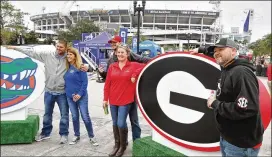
(22, 80)
(17, 80)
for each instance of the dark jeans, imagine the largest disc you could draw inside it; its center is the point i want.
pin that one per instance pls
(119, 115)
(49, 103)
(82, 106)
(135, 126)
(228, 149)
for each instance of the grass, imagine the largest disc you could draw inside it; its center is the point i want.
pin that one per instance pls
(147, 147)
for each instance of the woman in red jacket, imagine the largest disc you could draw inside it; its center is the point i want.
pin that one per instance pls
(119, 90)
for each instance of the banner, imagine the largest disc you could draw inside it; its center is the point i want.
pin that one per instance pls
(87, 36)
(183, 12)
(123, 34)
(134, 42)
(76, 44)
(246, 24)
(103, 63)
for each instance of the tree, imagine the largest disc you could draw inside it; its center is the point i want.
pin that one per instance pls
(261, 46)
(129, 40)
(245, 42)
(11, 22)
(11, 17)
(8, 37)
(116, 31)
(31, 38)
(172, 47)
(74, 32)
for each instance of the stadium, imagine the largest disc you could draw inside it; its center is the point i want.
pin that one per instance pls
(165, 27)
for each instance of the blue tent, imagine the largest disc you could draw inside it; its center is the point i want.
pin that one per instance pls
(148, 45)
(97, 48)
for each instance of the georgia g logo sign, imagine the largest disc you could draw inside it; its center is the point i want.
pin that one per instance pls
(22, 80)
(172, 92)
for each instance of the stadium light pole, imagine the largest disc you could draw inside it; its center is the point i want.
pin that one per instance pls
(139, 9)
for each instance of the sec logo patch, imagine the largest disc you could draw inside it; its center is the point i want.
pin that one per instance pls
(172, 92)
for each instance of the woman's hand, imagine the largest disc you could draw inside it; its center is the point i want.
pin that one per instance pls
(84, 67)
(76, 97)
(133, 79)
(105, 104)
(195, 51)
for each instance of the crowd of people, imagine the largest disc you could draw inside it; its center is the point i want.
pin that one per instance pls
(236, 104)
(262, 64)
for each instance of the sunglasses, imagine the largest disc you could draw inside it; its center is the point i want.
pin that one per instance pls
(123, 45)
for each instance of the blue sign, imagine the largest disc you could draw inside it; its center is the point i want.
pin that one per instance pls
(123, 34)
(76, 44)
(103, 63)
(134, 42)
(87, 36)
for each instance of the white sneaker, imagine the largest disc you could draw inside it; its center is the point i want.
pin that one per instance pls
(75, 140)
(93, 142)
(63, 139)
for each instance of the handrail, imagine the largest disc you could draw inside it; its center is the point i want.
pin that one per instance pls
(88, 60)
(88, 50)
(91, 60)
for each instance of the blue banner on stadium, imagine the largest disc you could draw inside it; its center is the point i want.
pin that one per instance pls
(123, 34)
(246, 24)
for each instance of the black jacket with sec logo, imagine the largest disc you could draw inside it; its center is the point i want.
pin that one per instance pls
(237, 110)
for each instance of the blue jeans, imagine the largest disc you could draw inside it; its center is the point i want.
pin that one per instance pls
(82, 106)
(228, 149)
(119, 115)
(135, 126)
(49, 103)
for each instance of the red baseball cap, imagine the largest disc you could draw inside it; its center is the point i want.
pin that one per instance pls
(115, 39)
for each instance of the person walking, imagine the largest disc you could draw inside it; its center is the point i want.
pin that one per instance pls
(76, 82)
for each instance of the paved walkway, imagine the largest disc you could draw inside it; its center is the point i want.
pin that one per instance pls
(102, 129)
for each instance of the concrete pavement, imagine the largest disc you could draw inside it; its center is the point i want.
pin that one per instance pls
(102, 129)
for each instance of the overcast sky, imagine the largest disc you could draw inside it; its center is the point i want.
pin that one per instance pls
(232, 11)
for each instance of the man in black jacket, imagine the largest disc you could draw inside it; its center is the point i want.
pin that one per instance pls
(236, 105)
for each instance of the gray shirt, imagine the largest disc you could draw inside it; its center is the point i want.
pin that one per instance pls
(55, 68)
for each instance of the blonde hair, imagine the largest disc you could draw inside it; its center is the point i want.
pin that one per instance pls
(78, 60)
(126, 48)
